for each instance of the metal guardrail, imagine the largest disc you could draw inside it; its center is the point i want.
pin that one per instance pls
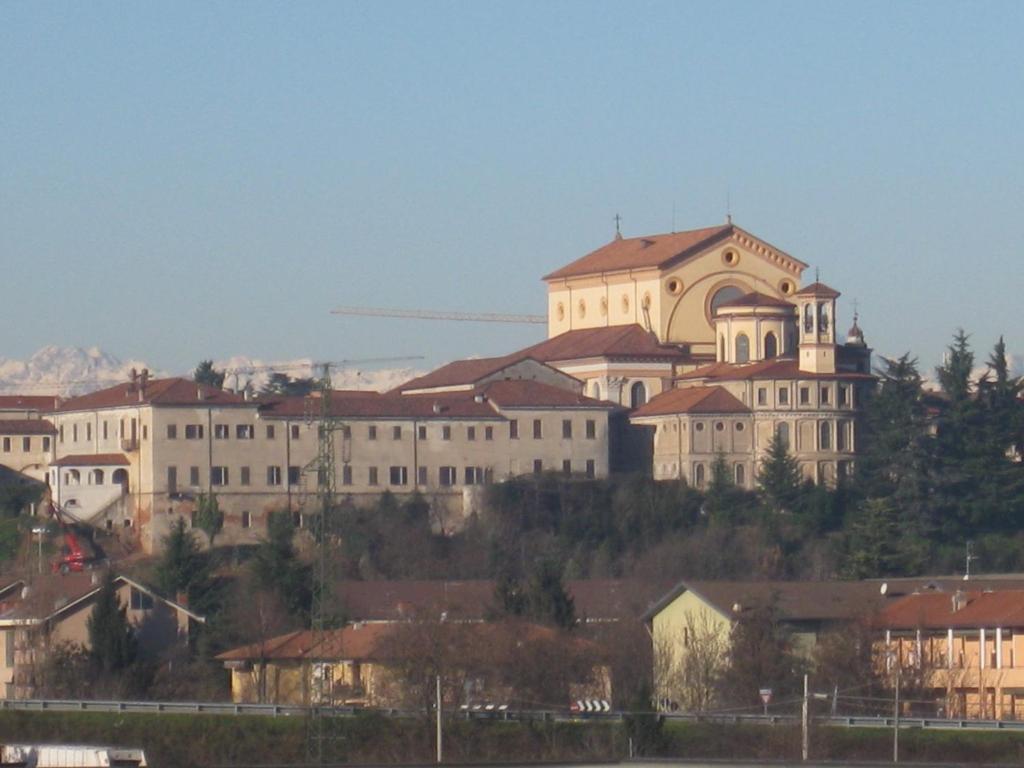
(287, 710)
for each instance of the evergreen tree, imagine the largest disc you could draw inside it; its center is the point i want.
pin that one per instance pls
(209, 518)
(276, 566)
(205, 373)
(182, 568)
(897, 450)
(283, 384)
(546, 598)
(873, 542)
(779, 477)
(955, 372)
(112, 646)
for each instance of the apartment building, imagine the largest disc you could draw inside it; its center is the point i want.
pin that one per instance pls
(137, 455)
(966, 645)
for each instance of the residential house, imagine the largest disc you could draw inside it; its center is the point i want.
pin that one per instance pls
(394, 665)
(40, 612)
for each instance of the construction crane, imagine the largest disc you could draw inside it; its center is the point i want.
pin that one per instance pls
(429, 314)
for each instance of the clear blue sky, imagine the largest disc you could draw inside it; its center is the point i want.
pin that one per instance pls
(188, 180)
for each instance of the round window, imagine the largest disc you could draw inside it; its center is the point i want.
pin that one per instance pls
(583, 308)
(722, 295)
(674, 286)
(786, 287)
(739, 426)
(731, 258)
(698, 427)
(560, 311)
(719, 426)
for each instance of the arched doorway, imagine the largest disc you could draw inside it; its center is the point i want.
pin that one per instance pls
(771, 345)
(637, 394)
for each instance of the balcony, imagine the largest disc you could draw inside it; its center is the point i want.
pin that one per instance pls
(129, 444)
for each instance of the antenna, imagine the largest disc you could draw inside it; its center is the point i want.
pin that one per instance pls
(618, 230)
(969, 557)
(728, 206)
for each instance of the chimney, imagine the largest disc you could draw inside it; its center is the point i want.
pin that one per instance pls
(144, 379)
(135, 380)
(959, 600)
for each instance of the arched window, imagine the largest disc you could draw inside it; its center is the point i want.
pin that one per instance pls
(728, 293)
(742, 348)
(825, 436)
(843, 436)
(637, 394)
(823, 317)
(97, 477)
(771, 345)
(782, 430)
(595, 388)
(120, 477)
(741, 475)
(698, 475)
(73, 477)
(808, 318)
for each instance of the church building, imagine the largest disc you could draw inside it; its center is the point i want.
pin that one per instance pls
(709, 338)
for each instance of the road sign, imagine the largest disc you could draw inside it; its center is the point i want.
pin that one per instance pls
(766, 695)
(590, 705)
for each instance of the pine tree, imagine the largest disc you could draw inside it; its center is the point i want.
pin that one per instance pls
(779, 477)
(546, 598)
(112, 646)
(182, 568)
(205, 373)
(873, 542)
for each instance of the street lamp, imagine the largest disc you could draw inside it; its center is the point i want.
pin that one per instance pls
(39, 531)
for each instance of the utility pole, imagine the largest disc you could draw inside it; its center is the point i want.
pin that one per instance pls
(896, 717)
(804, 721)
(440, 751)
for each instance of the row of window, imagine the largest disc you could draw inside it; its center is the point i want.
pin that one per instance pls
(223, 431)
(447, 476)
(804, 394)
(26, 444)
(125, 428)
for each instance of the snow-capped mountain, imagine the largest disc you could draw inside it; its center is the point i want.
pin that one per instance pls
(55, 370)
(66, 371)
(241, 369)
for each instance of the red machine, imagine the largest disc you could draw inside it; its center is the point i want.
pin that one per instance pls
(77, 553)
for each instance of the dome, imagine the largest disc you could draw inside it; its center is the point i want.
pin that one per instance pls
(855, 336)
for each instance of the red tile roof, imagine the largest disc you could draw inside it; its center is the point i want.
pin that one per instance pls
(652, 251)
(594, 599)
(93, 460)
(442, 405)
(617, 342)
(369, 642)
(461, 373)
(520, 393)
(28, 402)
(27, 427)
(755, 299)
(176, 391)
(692, 400)
(642, 252)
(818, 289)
(776, 368)
(935, 610)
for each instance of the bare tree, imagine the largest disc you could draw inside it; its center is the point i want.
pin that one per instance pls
(689, 665)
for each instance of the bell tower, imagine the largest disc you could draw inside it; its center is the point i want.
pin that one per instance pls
(817, 307)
